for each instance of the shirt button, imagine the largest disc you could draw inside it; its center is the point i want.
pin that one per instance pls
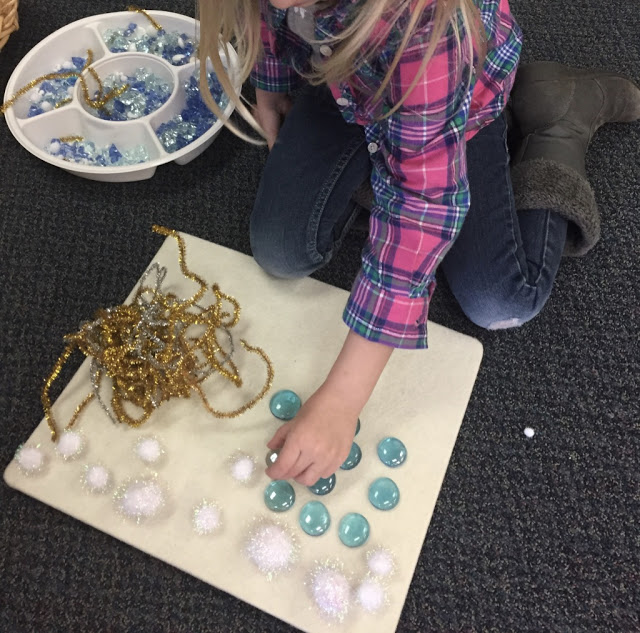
(342, 102)
(326, 51)
(373, 148)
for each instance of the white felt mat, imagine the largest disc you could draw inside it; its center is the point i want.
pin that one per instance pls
(421, 399)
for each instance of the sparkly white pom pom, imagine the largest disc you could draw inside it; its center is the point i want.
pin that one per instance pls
(271, 548)
(381, 562)
(371, 595)
(31, 459)
(529, 432)
(70, 445)
(242, 467)
(96, 479)
(207, 518)
(141, 499)
(46, 106)
(330, 590)
(149, 449)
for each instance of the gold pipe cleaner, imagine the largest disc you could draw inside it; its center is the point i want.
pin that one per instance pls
(99, 102)
(150, 352)
(135, 9)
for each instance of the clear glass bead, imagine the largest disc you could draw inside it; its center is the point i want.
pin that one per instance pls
(353, 459)
(384, 494)
(353, 530)
(314, 518)
(285, 404)
(323, 486)
(392, 452)
(279, 496)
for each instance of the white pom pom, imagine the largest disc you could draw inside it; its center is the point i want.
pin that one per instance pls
(271, 548)
(35, 96)
(96, 479)
(68, 65)
(132, 48)
(54, 147)
(177, 58)
(371, 596)
(180, 42)
(529, 432)
(141, 499)
(46, 106)
(30, 459)
(206, 518)
(242, 467)
(70, 445)
(149, 450)
(381, 562)
(331, 591)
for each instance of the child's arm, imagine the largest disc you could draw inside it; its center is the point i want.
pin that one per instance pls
(317, 441)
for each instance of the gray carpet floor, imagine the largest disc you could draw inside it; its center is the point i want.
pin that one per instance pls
(528, 535)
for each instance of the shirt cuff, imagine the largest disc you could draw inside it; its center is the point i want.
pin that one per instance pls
(272, 75)
(388, 317)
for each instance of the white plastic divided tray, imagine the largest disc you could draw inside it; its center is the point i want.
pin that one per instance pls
(73, 120)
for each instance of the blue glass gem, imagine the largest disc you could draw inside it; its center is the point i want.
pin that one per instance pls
(353, 459)
(392, 452)
(353, 530)
(279, 496)
(323, 486)
(358, 427)
(314, 518)
(285, 404)
(384, 494)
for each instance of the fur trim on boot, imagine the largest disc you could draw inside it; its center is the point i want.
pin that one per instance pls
(546, 184)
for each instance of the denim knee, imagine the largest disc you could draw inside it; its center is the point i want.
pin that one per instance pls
(501, 311)
(280, 253)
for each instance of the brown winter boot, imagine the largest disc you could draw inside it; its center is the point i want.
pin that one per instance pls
(557, 110)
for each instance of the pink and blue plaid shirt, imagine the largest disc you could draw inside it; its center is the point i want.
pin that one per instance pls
(418, 154)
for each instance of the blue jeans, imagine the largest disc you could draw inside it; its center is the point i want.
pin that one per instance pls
(501, 267)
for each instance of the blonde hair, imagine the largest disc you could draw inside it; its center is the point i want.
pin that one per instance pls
(223, 22)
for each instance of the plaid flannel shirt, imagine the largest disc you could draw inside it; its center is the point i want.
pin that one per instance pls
(418, 154)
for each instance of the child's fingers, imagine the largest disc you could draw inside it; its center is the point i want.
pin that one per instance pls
(309, 476)
(278, 438)
(287, 458)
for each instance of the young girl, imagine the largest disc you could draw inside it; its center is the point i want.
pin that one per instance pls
(401, 104)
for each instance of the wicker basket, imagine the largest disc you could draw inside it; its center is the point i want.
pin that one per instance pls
(8, 19)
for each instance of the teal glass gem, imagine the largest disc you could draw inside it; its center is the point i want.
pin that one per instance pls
(353, 530)
(353, 459)
(285, 404)
(392, 452)
(323, 486)
(279, 495)
(314, 518)
(384, 494)
(358, 427)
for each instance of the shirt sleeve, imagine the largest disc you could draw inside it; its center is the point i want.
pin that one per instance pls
(421, 196)
(270, 73)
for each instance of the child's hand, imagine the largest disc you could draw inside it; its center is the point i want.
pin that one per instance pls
(317, 441)
(270, 110)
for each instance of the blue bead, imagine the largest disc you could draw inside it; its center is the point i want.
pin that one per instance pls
(353, 459)
(384, 494)
(314, 518)
(358, 427)
(392, 452)
(353, 530)
(279, 496)
(285, 404)
(323, 486)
